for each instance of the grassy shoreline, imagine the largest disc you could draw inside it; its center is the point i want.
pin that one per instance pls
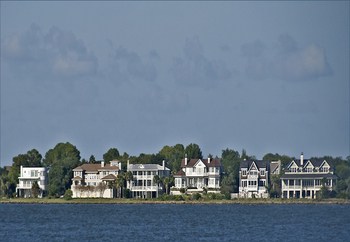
(154, 201)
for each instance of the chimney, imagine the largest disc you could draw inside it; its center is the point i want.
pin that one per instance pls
(120, 165)
(102, 164)
(208, 160)
(185, 159)
(21, 171)
(163, 164)
(127, 165)
(302, 159)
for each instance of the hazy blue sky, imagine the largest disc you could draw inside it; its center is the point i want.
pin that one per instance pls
(264, 76)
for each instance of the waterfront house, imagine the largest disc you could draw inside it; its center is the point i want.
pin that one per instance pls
(95, 180)
(197, 175)
(304, 178)
(253, 179)
(143, 184)
(27, 177)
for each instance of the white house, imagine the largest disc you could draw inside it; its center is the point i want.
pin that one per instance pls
(93, 180)
(27, 177)
(143, 184)
(304, 178)
(253, 179)
(198, 174)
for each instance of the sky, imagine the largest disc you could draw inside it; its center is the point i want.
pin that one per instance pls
(260, 76)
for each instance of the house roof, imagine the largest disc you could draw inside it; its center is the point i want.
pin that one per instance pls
(95, 167)
(192, 162)
(180, 173)
(77, 178)
(275, 165)
(306, 176)
(314, 162)
(109, 177)
(259, 163)
(148, 167)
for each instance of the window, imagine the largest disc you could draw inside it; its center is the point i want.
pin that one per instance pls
(262, 172)
(324, 169)
(244, 172)
(34, 173)
(293, 169)
(308, 169)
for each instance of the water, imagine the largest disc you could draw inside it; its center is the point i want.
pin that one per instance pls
(174, 222)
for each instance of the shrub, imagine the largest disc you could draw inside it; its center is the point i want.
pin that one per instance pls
(196, 196)
(68, 194)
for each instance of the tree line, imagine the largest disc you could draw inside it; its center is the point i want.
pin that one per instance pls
(64, 157)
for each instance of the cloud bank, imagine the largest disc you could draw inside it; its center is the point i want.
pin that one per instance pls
(195, 69)
(57, 52)
(285, 60)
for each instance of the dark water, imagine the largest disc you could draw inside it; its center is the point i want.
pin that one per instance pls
(175, 222)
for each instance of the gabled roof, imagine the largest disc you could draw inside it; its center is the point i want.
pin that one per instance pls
(192, 162)
(275, 166)
(248, 163)
(180, 173)
(95, 167)
(314, 162)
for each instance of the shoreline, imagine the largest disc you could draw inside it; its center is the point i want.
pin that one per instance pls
(139, 201)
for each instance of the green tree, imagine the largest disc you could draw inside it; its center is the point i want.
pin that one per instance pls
(92, 159)
(167, 181)
(173, 156)
(111, 154)
(61, 160)
(230, 160)
(68, 194)
(119, 183)
(35, 189)
(157, 180)
(193, 151)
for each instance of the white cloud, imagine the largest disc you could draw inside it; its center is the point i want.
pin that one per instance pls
(56, 52)
(285, 60)
(129, 65)
(195, 69)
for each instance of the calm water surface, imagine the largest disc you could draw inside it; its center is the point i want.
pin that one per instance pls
(173, 222)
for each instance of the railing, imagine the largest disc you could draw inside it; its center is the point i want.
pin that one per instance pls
(144, 188)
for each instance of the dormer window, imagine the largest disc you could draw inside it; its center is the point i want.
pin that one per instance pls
(324, 169)
(244, 172)
(262, 172)
(308, 169)
(293, 169)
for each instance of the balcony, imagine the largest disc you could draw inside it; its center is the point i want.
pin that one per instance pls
(144, 188)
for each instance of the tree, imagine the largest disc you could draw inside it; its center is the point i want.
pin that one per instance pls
(92, 159)
(68, 194)
(35, 189)
(111, 154)
(167, 181)
(61, 160)
(230, 160)
(129, 177)
(101, 187)
(193, 151)
(157, 180)
(119, 183)
(173, 156)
